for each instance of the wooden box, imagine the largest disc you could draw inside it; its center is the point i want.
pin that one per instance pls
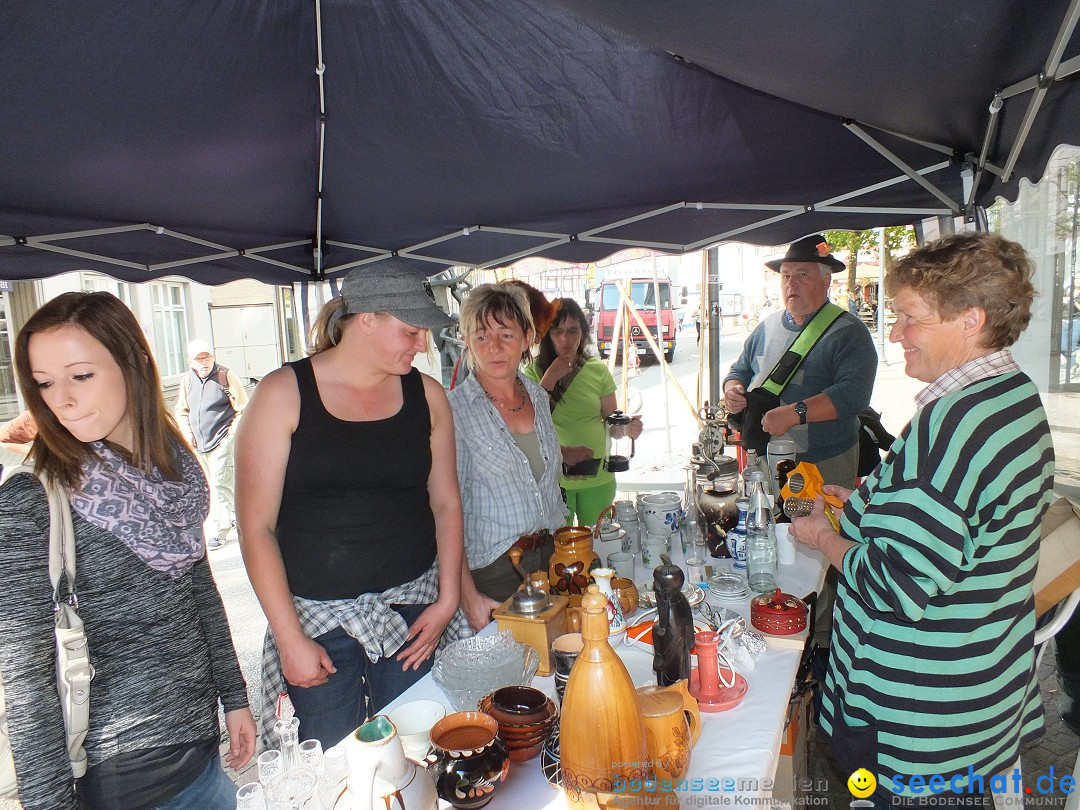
(537, 630)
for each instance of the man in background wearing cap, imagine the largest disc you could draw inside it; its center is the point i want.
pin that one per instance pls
(210, 400)
(821, 401)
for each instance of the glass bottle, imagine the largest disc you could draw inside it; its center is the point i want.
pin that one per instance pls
(760, 542)
(736, 538)
(673, 635)
(288, 732)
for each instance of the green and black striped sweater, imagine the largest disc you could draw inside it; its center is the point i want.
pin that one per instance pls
(932, 662)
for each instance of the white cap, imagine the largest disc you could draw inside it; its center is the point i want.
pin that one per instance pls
(197, 347)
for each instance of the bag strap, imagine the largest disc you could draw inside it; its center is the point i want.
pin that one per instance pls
(561, 387)
(223, 378)
(61, 537)
(798, 350)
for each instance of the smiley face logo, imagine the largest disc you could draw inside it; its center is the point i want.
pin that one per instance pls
(862, 783)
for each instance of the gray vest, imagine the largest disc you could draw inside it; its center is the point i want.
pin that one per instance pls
(210, 411)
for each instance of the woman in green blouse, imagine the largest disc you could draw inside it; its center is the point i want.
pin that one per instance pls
(582, 394)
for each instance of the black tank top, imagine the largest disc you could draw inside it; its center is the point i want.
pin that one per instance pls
(355, 514)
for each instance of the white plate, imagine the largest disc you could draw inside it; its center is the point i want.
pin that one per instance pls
(646, 598)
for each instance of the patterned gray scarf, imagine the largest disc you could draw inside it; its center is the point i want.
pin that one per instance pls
(160, 520)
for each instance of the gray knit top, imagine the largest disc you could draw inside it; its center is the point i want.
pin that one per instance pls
(160, 646)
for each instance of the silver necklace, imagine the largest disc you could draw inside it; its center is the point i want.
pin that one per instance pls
(507, 408)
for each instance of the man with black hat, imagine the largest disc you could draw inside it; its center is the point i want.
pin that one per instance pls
(818, 404)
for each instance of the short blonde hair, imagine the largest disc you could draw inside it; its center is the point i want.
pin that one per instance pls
(967, 270)
(503, 303)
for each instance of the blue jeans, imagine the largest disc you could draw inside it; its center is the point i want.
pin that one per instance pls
(211, 790)
(358, 690)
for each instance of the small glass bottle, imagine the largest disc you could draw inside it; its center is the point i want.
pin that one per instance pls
(288, 732)
(736, 538)
(760, 542)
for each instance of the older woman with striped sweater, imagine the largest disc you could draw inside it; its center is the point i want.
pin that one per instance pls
(931, 681)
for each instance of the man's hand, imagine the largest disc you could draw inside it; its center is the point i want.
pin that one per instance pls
(780, 420)
(735, 397)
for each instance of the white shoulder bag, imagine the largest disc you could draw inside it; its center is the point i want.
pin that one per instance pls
(73, 669)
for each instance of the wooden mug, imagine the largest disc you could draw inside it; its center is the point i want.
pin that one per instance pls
(672, 727)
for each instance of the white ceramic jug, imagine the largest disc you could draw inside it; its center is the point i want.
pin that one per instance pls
(379, 773)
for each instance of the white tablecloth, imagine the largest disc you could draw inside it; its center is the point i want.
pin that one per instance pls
(738, 749)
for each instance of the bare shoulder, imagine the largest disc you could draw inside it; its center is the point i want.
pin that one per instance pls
(433, 388)
(275, 398)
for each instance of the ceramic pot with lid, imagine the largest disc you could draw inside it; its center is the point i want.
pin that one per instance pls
(778, 613)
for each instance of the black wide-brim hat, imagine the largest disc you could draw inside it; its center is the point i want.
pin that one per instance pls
(809, 249)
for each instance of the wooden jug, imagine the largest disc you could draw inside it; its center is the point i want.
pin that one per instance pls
(603, 733)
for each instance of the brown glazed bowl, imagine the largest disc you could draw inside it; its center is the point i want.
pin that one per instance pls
(519, 705)
(523, 740)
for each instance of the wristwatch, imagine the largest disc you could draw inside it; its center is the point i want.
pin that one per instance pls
(800, 409)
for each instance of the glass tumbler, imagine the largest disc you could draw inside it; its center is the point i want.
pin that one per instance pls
(311, 755)
(250, 797)
(269, 765)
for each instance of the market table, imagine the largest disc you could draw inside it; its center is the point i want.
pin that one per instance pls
(738, 751)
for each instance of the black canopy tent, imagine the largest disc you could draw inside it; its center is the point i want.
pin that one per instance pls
(290, 139)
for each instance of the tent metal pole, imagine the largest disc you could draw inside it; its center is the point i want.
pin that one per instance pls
(320, 70)
(1067, 68)
(279, 246)
(659, 324)
(881, 296)
(1046, 78)
(53, 237)
(367, 249)
(991, 128)
(303, 271)
(631, 220)
(228, 254)
(563, 240)
(715, 329)
(870, 141)
(864, 209)
(902, 178)
(81, 254)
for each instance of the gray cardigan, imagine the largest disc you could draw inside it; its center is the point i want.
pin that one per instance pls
(160, 646)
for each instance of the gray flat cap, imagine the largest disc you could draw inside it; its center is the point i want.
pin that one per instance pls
(391, 285)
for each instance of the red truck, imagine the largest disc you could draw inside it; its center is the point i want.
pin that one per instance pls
(643, 294)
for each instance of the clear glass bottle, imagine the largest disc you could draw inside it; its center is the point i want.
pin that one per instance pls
(736, 538)
(760, 542)
(289, 743)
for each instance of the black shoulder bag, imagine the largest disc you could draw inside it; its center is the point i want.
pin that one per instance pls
(766, 396)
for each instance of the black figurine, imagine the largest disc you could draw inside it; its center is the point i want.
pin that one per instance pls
(673, 636)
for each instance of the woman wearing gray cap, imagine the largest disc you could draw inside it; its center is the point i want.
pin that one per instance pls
(508, 455)
(348, 505)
